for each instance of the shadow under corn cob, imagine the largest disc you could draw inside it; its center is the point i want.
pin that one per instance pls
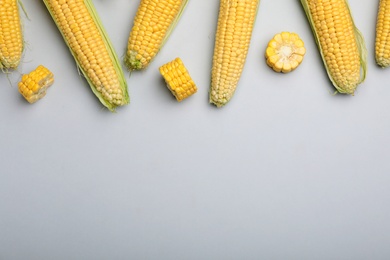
(153, 24)
(11, 37)
(88, 42)
(382, 41)
(340, 43)
(234, 31)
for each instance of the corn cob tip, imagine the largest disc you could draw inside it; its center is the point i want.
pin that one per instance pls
(132, 62)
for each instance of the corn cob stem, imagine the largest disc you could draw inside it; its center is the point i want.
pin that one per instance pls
(11, 37)
(89, 44)
(153, 24)
(382, 41)
(340, 43)
(234, 31)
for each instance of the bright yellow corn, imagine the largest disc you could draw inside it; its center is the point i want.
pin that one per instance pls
(84, 34)
(33, 86)
(382, 42)
(234, 31)
(285, 52)
(178, 79)
(11, 38)
(340, 43)
(153, 23)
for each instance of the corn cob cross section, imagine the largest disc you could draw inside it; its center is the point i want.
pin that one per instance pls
(86, 38)
(153, 24)
(11, 38)
(33, 86)
(234, 31)
(340, 43)
(382, 41)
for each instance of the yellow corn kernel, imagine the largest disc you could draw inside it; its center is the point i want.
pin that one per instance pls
(11, 38)
(33, 86)
(340, 43)
(382, 42)
(285, 52)
(234, 31)
(178, 79)
(153, 23)
(88, 42)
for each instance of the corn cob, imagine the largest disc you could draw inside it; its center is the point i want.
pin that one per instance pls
(33, 86)
(11, 38)
(285, 52)
(87, 40)
(235, 24)
(178, 79)
(382, 42)
(340, 43)
(153, 23)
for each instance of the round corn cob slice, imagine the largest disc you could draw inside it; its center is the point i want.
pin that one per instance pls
(285, 52)
(33, 86)
(178, 80)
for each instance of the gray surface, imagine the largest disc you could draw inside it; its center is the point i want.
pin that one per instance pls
(285, 171)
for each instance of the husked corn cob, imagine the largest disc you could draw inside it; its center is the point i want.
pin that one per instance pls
(382, 42)
(340, 43)
(153, 23)
(84, 34)
(11, 38)
(285, 52)
(178, 79)
(33, 86)
(235, 24)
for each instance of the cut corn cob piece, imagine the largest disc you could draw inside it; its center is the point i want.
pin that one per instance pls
(382, 42)
(234, 31)
(86, 38)
(11, 38)
(285, 52)
(178, 79)
(33, 86)
(340, 43)
(153, 23)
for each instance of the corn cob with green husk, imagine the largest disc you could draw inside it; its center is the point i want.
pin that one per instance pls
(11, 38)
(153, 23)
(235, 24)
(86, 38)
(340, 43)
(382, 42)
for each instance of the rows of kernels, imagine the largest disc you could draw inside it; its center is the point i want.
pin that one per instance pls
(178, 79)
(285, 52)
(11, 39)
(335, 29)
(382, 43)
(33, 86)
(84, 38)
(151, 24)
(234, 30)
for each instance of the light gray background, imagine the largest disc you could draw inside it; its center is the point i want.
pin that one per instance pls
(285, 171)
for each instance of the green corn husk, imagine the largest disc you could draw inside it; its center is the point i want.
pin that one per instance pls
(342, 85)
(132, 58)
(111, 105)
